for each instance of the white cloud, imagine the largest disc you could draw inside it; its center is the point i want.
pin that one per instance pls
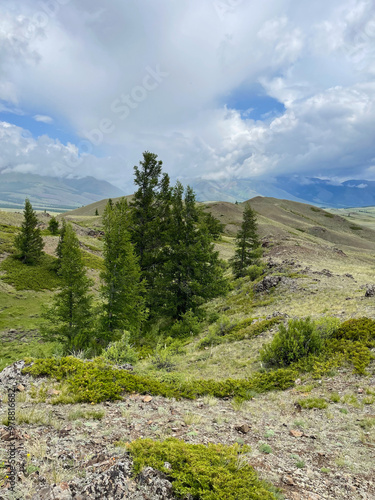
(316, 58)
(43, 119)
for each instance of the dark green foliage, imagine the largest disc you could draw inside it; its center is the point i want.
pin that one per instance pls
(206, 472)
(69, 319)
(7, 235)
(150, 218)
(188, 326)
(248, 247)
(314, 209)
(191, 273)
(298, 340)
(214, 226)
(53, 225)
(98, 380)
(122, 289)
(29, 241)
(255, 271)
(40, 276)
(96, 212)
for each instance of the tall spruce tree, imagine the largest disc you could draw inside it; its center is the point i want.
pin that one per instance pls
(248, 247)
(29, 240)
(191, 271)
(150, 215)
(69, 319)
(122, 289)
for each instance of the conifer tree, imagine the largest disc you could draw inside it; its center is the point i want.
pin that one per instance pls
(69, 319)
(248, 247)
(29, 241)
(53, 225)
(191, 271)
(150, 215)
(122, 289)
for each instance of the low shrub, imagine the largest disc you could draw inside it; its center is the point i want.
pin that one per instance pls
(122, 351)
(291, 343)
(99, 380)
(207, 472)
(360, 329)
(188, 326)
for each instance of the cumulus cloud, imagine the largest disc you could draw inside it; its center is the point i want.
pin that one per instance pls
(140, 75)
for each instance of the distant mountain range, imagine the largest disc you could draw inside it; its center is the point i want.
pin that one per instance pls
(61, 194)
(53, 193)
(324, 193)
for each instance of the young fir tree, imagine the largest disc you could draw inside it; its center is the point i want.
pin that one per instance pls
(69, 319)
(29, 241)
(191, 272)
(122, 289)
(53, 225)
(248, 247)
(150, 215)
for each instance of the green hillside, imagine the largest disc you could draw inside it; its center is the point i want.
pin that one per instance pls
(311, 419)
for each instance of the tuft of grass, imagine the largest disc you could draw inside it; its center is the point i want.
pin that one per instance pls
(310, 403)
(265, 448)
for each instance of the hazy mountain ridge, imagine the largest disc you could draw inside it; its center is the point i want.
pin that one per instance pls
(53, 193)
(321, 192)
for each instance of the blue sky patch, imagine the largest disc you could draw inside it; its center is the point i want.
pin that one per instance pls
(253, 103)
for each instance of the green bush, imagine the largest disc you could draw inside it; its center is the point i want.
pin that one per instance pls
(255, 271)
(188, 326)
(39, 276)
(298, 340)
(122, 351)
(205, 472)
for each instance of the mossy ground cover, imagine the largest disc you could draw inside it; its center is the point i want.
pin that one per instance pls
(98, 380)
(212, 472)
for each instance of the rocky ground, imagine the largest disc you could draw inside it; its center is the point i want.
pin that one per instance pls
(310, 454)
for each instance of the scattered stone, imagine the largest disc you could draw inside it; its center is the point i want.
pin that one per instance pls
(126, 366)
(20, 387)
(298, 381)
(295, 433)
(147, 399)
(370, 292)
(289, 480)
(243, 428)
(349, 276)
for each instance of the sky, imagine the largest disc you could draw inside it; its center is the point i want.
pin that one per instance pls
(218, 89)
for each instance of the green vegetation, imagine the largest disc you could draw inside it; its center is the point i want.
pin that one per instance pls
(29, 242)
(69, 319)
(191, 273)
(248, 248)
(122, 289)
(224, 331)
(202, 472)
(310, 403)
(298, 340)
(53, 226)
(40, 276)
(122, 351)
(99, 380)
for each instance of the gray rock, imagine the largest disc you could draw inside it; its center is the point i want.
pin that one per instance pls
(11, 375)
(267, 283)
(370, 292)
